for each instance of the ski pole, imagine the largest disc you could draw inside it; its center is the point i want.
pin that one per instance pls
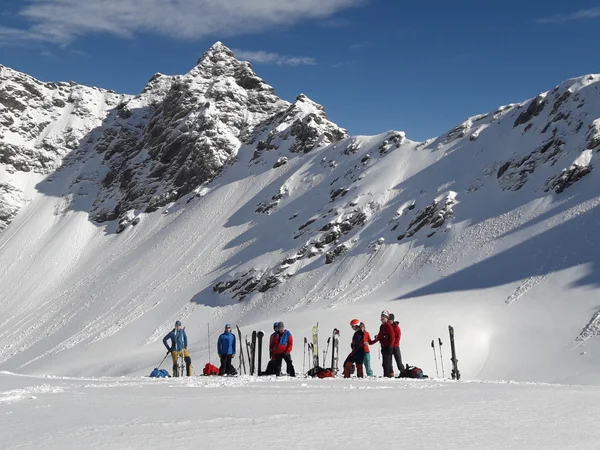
(437, 374)
(326, 351)
(208, 342)
(304, 357)
(441, 357)
(161, 363)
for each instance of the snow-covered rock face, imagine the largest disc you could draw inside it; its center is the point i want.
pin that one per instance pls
(157, 146)
(40, 123)
(194, 131)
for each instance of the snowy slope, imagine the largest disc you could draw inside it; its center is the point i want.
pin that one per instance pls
(212, 200)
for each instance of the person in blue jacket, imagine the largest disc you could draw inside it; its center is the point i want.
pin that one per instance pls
(226, 351)
(178, 347)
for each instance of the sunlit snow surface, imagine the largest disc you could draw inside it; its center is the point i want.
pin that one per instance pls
(265, 413)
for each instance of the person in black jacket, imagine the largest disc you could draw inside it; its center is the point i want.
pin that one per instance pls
(357, 355)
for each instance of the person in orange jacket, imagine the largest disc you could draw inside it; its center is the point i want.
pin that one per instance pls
(367, 341)
(357, 355)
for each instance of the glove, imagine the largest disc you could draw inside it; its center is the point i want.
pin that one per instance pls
(168, 352)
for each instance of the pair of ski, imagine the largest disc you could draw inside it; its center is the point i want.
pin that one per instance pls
(455, 372)
(251, 347)
(313, 349)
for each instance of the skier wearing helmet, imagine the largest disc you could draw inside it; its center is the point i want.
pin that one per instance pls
(357, 355)
(385, 337)
(179, 343)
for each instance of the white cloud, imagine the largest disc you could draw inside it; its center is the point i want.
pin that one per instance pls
(263, 57)
(342, 64)
(578, 15)
(62, 21)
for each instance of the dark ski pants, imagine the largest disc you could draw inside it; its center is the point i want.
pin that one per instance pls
(386, 355)
(278, 359)
(398, 358)
(226, 367)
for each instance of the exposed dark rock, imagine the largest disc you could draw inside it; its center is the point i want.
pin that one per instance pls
(332, 255)
(568, 177)
(534, 109)
(307, 223)
(435, 215)
(280, 162)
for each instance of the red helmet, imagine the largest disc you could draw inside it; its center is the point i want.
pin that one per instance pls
(354, 323)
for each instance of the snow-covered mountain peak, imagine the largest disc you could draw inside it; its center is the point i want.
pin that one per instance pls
(218, 52)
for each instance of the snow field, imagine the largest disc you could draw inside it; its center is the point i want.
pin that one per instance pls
(268, 413)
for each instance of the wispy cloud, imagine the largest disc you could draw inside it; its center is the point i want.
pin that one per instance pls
(359, 45)
(342, 64)
(578, 15)
(264, 57)
(62, 21)
(335, 22)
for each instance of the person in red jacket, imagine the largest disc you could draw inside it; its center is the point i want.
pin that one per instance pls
(282, 351)
(367, 339)
(385, 337)
(396, 347)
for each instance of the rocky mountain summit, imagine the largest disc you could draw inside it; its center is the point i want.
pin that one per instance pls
(154, 147)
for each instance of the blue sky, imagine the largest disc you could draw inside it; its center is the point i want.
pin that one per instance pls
(421, 67)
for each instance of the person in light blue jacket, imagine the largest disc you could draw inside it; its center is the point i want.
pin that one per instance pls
(179, 343)
(226, 351)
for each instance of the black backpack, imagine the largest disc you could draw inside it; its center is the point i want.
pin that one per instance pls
(412, 372)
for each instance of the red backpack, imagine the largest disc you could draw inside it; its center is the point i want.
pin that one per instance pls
(209, 369)
(326, 373)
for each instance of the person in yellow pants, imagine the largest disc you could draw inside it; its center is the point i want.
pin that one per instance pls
(178, 347)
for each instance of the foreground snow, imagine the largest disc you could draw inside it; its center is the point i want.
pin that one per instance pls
(265, 413)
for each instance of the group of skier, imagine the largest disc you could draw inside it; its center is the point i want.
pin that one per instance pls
(281, 343)
(389, 339)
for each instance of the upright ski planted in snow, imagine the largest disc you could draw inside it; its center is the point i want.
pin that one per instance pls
(253, 354)
(455, 371)
(242, 362)
(315, 345)
(249, 357)
(335, 351)
(260, 336)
